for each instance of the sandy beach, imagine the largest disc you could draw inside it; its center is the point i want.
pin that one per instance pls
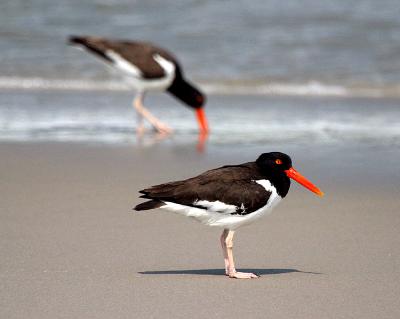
(71, 247)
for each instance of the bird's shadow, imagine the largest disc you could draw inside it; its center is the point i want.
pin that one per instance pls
(221, 272)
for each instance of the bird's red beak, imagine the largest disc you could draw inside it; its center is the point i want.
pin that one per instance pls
(293, 174)
(202, 120)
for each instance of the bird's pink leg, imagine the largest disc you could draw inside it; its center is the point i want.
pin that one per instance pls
(140, 128)
(224, 252)
(232, 273)
(143, 112)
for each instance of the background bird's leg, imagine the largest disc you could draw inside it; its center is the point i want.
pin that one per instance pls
(225, 253)
(140, 129)
(232, 273)
(142, 111)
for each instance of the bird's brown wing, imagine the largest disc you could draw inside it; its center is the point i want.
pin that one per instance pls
(139, 54)
(231, 185)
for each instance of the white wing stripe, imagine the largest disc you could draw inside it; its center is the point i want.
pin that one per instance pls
(166, 65)
(123, 64)
(216, 206)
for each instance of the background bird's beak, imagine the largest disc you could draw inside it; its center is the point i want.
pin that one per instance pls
(202, 120)
(293, 174)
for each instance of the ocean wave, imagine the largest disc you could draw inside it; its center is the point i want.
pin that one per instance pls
(35, 83)
(212, 87)
(102, 130)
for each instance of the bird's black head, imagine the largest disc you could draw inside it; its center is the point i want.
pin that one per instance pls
(187, 93)
(274, 161)
(277, 167)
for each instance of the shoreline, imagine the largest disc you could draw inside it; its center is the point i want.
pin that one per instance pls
(108, 118)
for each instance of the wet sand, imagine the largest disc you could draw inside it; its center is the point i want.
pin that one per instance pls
(71, 247)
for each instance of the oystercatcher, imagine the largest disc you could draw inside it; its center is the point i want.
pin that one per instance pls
(147, 68)
(229, 197)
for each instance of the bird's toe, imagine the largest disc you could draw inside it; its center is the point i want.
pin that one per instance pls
(243, 275)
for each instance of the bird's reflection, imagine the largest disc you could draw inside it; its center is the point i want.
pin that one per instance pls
(154, 138)
(201, 142)
(143, 139)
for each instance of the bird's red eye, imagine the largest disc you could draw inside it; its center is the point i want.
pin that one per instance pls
(278, 161)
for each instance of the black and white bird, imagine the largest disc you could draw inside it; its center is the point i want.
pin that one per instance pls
(229, 197)
(147, 68)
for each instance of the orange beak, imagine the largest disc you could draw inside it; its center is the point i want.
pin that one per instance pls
(202, 120)
(293, 174)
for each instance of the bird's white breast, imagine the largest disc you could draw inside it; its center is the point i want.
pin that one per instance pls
(274, 198)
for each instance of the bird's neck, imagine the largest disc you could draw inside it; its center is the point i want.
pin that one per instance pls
(183, 90)
(279, 180)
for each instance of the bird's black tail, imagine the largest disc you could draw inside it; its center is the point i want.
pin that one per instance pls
(93, 44)
(151, 204)
(73, 39)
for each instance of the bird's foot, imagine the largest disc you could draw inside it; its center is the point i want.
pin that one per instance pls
(242, 275)
(163, 129)
(140, 130)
